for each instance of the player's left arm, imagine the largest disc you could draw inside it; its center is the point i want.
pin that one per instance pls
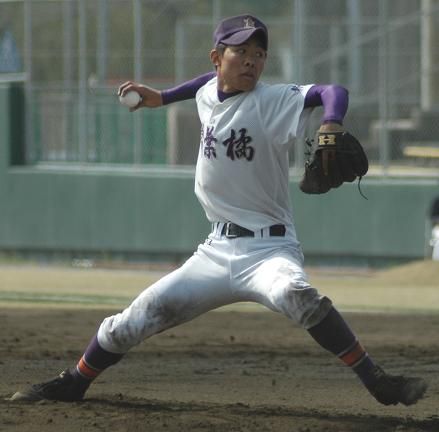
(336, 156)
(334, 99)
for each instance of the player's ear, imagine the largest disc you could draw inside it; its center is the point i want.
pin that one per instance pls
(215, 57)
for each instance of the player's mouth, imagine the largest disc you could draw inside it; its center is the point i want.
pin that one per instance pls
(248, 75)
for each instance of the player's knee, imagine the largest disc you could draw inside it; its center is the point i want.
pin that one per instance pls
(315, 313)
(116, 334)
(138, 322)
(304, 305)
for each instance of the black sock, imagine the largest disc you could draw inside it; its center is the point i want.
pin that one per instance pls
(334, 335)
(94, 361)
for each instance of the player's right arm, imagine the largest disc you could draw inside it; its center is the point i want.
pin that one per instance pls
(152, 98)
(187, 90)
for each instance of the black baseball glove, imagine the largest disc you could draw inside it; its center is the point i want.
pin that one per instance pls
(337, 157)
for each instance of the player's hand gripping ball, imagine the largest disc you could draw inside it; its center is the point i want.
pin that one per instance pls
(130, 99)
(337, 158)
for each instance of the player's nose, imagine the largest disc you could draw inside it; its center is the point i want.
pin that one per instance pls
(250, 61)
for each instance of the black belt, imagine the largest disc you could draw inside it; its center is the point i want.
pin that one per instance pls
(231, 230)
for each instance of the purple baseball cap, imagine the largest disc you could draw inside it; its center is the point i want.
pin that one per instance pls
(237, 29)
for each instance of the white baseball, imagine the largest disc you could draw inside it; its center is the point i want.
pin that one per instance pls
(130, 99)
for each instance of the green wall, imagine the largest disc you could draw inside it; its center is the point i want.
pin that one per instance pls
(154, 212)
(391, 224)
(108, 210)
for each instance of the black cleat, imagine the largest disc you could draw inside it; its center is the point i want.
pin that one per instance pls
(394, 389)
(64, 387)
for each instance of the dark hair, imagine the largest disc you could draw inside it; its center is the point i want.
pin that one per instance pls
(221, 48)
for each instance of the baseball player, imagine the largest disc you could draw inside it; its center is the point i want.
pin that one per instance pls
(252, 252)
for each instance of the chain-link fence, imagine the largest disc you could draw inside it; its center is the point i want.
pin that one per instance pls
(73, 54)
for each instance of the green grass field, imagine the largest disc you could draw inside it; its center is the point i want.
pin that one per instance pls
(412, 287)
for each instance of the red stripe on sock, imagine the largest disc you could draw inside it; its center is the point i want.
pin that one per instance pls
(85, 370)
(354, 355)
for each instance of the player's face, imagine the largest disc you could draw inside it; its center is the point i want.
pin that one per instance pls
(239, 67)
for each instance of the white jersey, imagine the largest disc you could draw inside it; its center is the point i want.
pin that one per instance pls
(242, 168)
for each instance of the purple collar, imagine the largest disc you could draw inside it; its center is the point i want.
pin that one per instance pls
(223, 96)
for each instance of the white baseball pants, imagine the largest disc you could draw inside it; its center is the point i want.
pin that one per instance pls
(261, 269)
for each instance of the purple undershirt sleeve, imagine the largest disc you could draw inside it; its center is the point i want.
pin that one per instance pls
(187, 90)
(333, 98)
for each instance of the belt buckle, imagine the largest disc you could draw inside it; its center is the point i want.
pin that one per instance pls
(228, 234)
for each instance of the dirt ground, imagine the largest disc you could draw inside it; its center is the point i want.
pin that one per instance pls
(225, 371)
